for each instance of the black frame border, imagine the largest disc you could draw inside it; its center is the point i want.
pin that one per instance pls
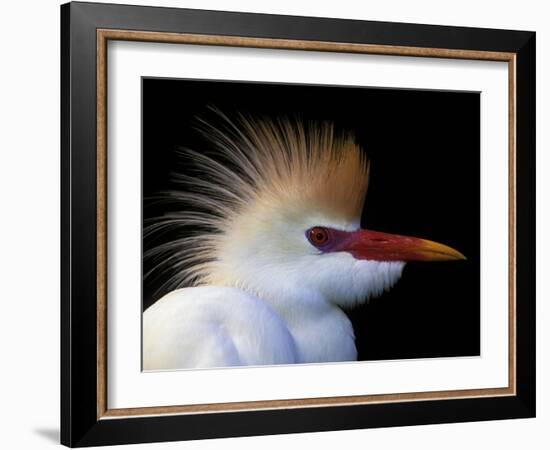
(79, 423)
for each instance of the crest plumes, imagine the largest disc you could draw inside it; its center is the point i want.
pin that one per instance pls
(275, 162)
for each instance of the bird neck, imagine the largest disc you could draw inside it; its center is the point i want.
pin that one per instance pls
(321, 331)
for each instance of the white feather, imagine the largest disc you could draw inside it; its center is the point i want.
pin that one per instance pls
(212, 326)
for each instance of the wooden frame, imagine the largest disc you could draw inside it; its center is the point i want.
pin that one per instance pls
(86, 418)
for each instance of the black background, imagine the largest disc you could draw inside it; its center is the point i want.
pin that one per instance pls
(424, 153)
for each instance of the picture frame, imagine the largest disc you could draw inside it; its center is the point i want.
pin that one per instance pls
(86, 417)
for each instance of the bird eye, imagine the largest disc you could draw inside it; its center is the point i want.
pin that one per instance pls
(318, 236)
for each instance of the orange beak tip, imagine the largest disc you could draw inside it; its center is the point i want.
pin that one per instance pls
(434, 251)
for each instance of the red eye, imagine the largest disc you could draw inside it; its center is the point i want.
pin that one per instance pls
(318, 236)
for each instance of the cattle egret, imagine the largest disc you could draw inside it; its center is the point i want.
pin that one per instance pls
(274, 252)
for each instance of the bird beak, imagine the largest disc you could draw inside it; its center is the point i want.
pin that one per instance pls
(373, 245)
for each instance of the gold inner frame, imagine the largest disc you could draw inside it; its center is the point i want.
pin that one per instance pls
(104, 35)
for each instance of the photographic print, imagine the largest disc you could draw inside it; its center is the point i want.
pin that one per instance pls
(299, 224)
(277, 224)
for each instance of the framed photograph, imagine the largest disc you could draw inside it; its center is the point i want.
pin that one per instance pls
(278, 224)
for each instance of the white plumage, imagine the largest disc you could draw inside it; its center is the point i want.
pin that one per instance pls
(279, 252)
(210, 326)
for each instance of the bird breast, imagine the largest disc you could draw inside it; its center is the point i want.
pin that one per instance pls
(212, 326)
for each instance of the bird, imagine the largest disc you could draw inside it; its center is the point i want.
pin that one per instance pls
(269, 250)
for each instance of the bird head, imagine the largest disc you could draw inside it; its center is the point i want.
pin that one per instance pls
(281, 213)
